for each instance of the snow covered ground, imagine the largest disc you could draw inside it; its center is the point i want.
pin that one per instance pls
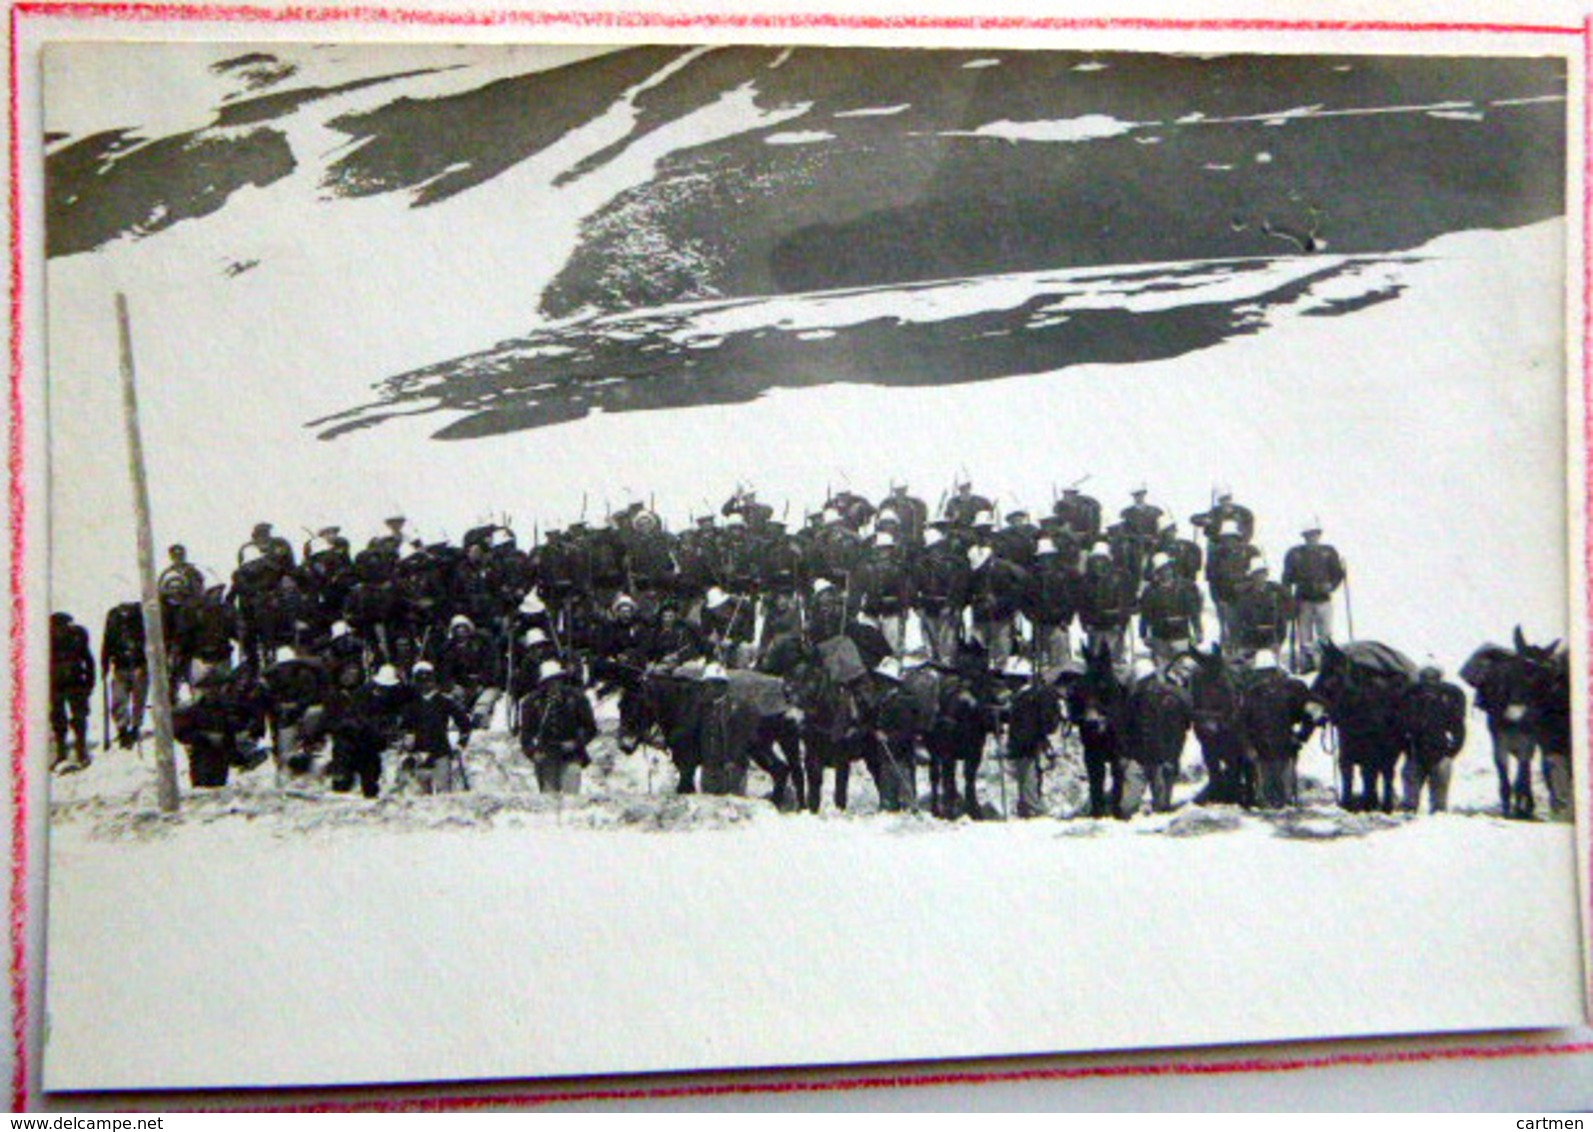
(258, 938)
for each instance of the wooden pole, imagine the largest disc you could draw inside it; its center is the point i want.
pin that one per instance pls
(154, 634)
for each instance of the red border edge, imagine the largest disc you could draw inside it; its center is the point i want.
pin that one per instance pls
(17, 498)
(18, 641)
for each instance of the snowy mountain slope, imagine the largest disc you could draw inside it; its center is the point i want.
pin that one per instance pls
(1035, 160)
(942, 332)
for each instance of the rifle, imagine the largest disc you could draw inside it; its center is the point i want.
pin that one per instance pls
(511, 714)
(1349, 605)
(105, 709)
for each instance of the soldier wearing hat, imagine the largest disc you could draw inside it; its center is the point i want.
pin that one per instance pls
(910, 513)
(1142, 519)
(1240, 520)
(556, 725)
(1262, 611)
(964, 507)
(1432, 716)
(1313, 573)
(424, 724)
(1079, 514)
(1049, 604)
(1275, 716)
(1034, 712)
(271, 545)
(1228, 559)
(1169, 611)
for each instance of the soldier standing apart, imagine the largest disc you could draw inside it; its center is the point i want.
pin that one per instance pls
(71, 688)
(1313, 572)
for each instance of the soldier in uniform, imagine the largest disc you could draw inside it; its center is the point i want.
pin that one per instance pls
(1079, 514)
(1227, 565)
(1050, 605)
(963, 508)
(71, 689)
(1169, 611)
(1313, 572)
(1433, 718)
(1276, 718)
(556, 725)
(123, 665)
(1225, 512)
(910, 513)
(1263, 610)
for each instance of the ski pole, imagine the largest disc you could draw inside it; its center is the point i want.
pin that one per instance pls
(105, 710)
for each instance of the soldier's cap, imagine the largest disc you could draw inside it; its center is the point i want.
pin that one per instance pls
(339, 629)
(532, 603)
(60, 618)
(328, 532)
(1017, 668)
(262, 529)
(534, 637)
(624, 601)
(176, 550)
(978, 556)
(884, 538)
(934, 536)
(822, 584)
(1068, 670)
(715, 597)
(705, 520)
(890, 668)
(386, 677)
(1139, 491)
(548, 669)
(736, 519)
(1045, 547)
(1430, 671)
(1313, 530)
(1017, 516)
(423, 668)
(285, 655)
(394, 520)
(460, 621)
(1264, 659)
(715, 671)
(645, 520)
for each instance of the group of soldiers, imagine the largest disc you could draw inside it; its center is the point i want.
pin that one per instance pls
(410, 644)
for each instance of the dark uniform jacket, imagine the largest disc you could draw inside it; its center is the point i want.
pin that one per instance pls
(1313, 572)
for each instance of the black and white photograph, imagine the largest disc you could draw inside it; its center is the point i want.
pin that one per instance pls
(572, 560)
